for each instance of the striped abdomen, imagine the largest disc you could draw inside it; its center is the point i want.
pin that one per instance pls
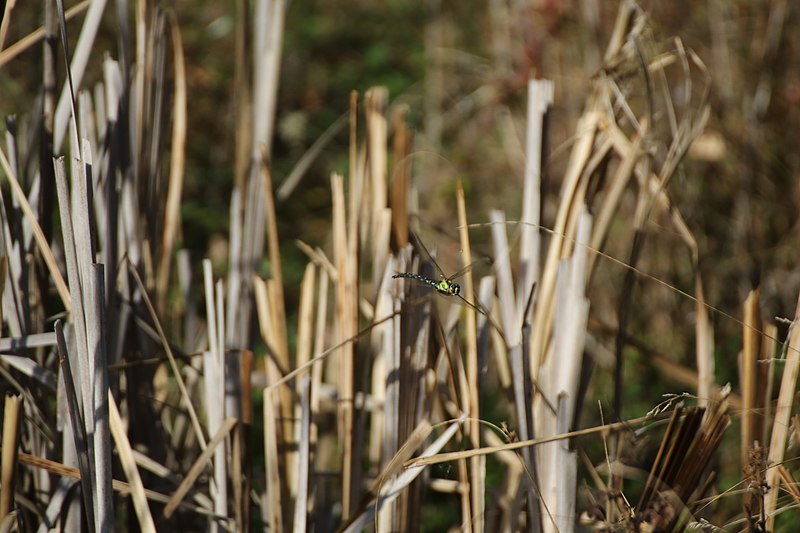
(444, 286)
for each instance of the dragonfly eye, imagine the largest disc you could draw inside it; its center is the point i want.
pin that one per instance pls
(455, 289)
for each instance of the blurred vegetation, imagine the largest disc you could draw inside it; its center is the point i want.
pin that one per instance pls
(464, 91)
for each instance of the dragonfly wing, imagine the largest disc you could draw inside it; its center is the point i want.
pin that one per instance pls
(478, 307)
(475, 307)
(480, 261)
(426, 255)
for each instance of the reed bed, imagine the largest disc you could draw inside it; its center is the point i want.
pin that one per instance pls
(148, 388)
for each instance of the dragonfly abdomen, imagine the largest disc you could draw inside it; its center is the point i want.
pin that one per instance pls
(444, 286)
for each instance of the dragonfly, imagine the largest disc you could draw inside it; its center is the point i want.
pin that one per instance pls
(445, 285)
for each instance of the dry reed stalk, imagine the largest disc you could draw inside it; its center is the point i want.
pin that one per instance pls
(385, 342)
(749, 368)
(88, 302)
(27, 367)
(381, 339)
(768, 350)
(5, 22)
(557, 466)
(177, 159)
(507, 300)
(305, 322)
(238, 392)
(382, 240)
(36, 36)
(540, 98)
(346, 304)
(268, 24)
(8, 457)
(38, 234)
(303, 463)
(377, 141)
(302, 412)
(243, 430)
(573, 191)
(279, 334)
(199, 465)
(65, 110)
(242, 92)
(77, 450)
(101, 431)
(319, 344)
(273, 489)
(128, 462)
(517, 445)
(783, 413)
(273, 249)
(401, 177)
(704, 346)
(215, 391)
(477, 464)
(790, 483)
(631, 156)
(519, 376)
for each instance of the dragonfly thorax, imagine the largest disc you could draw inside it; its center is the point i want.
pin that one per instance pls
(448, 288)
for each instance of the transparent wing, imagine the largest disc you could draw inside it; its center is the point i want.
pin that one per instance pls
(425, 254)
(478, 262)
(477, 306)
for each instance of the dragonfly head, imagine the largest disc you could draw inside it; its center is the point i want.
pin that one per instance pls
(454, 289)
